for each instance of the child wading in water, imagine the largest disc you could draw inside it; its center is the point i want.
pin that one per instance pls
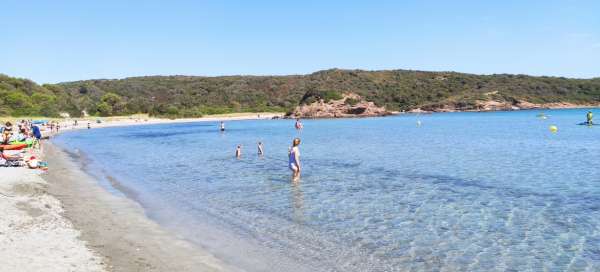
(294, 159)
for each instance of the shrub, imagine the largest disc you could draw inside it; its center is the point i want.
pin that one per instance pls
(351, 101)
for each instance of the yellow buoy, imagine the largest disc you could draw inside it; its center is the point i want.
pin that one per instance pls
(553, 128)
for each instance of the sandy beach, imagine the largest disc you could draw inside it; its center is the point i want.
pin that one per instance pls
(62, 220)
(34, 233)
(137, 121)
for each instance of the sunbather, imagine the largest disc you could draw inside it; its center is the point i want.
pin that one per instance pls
(10, 160)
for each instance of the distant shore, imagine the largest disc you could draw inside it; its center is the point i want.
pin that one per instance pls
(142, 119)
(488, 106)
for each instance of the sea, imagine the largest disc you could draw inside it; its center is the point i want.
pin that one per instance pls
(476, 191)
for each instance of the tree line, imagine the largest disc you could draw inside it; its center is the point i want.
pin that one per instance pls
(194, 96)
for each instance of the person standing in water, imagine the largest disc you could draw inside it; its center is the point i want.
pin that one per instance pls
(298, 124)
(589, 117)
(294, 159)
(238, 151)
(260, 149)
(222, 126)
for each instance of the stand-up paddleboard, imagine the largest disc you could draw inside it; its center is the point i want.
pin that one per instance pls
(13, 146)
(586, 124)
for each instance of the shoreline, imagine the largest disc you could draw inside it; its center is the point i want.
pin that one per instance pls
(130, 121)
(116, 227)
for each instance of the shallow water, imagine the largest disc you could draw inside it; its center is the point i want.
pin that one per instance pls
(462, 192)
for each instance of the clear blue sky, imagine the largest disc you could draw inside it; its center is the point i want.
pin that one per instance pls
(54, 41)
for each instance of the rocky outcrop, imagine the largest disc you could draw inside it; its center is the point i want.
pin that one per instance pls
(350, 105)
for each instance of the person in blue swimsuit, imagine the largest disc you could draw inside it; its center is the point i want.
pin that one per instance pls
(294, 159)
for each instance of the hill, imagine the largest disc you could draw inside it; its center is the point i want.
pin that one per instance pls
(189, 96)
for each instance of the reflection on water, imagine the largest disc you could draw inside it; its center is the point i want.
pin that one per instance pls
(459, 192)
(297, 201)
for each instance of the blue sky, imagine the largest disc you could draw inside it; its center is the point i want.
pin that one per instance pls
(54, 41)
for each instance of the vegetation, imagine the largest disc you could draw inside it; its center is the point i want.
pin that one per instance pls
(190, 96)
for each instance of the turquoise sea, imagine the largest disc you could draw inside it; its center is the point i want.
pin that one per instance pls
(461, 192)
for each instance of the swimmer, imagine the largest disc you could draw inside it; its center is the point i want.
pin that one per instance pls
(222, 126)
(238, 151)
(260, 149)
(294, 159)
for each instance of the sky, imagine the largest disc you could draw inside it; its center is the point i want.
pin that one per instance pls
(57, 41)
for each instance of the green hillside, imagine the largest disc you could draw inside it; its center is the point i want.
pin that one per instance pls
(188, 96)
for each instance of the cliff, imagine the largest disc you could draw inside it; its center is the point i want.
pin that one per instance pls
(349, 105)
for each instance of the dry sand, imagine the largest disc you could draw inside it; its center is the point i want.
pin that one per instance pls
(34, 236)
(116, 227)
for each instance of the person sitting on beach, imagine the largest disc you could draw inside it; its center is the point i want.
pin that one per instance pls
(260, 149)
(590, 117)
(19, 137)
(5, 138)
(222, 126)
(238, 151)
(294, 159)
(7, 128)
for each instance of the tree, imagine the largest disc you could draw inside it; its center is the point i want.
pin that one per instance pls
(114, 101)
(104, 109)
(111, 99)
(19, 102)
(45, 104)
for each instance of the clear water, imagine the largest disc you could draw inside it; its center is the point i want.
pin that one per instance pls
(462, 192)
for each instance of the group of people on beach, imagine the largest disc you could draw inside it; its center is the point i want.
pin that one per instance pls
(293, 152)
(17, 141)
(24, 129)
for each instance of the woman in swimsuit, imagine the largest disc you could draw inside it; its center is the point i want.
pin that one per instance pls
(294, 159)
(238, 151)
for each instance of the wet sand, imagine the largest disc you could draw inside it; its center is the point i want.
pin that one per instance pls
(116, 227)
